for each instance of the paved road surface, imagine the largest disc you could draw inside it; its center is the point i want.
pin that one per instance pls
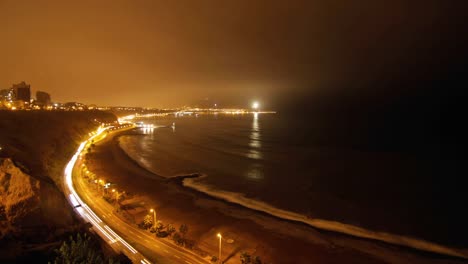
(139, 245)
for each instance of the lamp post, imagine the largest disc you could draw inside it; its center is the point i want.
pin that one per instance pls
(101, 185)
(219, 255)
(154, 216)
(116, 194)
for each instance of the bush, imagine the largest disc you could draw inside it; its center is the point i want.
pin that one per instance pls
(188, 243)
(178, 239)
(183, 229)
(245, 258)
(256, 260)
(84, 249)
(79, 250)
(159, 226)
(162, 234)
(147, 222)
(170, 229)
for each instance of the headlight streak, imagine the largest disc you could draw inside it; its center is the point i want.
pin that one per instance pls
(84, 211)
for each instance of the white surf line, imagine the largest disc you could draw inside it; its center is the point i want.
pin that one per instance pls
(328, 225)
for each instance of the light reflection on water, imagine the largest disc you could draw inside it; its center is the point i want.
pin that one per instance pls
(255, 143)
(255, 171)
(148, 130)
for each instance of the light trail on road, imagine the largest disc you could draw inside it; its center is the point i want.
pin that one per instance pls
(86, 213)
(105, 231)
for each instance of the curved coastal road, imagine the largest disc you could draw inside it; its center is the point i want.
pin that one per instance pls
(139, 245)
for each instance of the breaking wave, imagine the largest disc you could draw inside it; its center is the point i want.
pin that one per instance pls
(241, 199)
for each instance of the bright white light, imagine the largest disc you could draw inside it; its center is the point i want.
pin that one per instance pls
(255, 105)
(84, 210)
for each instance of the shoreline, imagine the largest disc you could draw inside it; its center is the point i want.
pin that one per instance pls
(322, 224)
(190, 181)
(313, 228)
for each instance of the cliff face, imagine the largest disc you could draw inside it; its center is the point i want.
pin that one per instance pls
(19, 195)
(42, 142)
(35, 148)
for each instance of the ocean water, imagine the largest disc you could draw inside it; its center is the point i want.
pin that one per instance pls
(274, 163)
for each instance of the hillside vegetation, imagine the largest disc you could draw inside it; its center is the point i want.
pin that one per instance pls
(35, 147)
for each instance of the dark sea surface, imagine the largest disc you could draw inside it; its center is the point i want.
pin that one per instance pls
(277, 161)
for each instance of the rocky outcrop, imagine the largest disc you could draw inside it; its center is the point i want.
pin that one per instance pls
(35, 148)
(19, 195)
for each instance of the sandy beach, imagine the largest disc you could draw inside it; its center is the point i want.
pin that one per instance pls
(273, 239)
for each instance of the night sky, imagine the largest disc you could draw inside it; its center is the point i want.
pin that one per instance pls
(173, 53)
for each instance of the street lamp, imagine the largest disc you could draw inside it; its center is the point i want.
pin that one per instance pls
(116, 194)
(154, 216)
(219, 255)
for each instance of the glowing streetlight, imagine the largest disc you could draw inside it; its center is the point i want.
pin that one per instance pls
(219, 255)
(116, 194)
(154, 216)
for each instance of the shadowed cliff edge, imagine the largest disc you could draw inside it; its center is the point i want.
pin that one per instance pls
(34, 215)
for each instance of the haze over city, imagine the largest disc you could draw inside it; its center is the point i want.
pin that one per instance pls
(236, 132)
(161, 54)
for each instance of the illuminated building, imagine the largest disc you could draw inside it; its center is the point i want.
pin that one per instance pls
(42, 98)
(22, 92)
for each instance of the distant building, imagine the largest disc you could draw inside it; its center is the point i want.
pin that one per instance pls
(42, 98)
(92, 107)
(3, 95)
(6, 95)
(74, 106)
(22, 92)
